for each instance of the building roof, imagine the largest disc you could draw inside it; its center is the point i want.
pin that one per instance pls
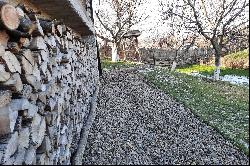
(132, 33)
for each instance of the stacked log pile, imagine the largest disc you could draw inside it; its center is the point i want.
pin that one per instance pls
(48, 75)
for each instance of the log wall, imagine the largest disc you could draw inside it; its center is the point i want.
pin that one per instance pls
(47, 82)
(161, 57)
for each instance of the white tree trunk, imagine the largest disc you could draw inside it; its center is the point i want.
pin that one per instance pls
(173, 66)
(217, 73)
(217, 68)
(115, 57)
(201, 62)
(218, 54)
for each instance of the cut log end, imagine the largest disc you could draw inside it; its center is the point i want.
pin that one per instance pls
(9, 17)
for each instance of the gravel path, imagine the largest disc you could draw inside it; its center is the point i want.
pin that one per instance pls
(138, 124)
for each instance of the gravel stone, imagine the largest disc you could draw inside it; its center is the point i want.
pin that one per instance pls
(139, 124)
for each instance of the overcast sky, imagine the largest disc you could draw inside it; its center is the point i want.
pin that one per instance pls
(153, 27)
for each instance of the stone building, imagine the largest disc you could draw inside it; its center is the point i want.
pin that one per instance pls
(48, 80)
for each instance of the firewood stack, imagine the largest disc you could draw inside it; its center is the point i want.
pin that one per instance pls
(48, 75)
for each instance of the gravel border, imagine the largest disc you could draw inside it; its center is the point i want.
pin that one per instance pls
(139, 124)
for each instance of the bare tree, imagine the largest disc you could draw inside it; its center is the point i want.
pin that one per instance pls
(177, 44)
(176, 39)
(213, 19)
(114, 18)
(237, 39)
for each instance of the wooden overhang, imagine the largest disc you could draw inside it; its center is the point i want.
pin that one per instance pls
(72, 12)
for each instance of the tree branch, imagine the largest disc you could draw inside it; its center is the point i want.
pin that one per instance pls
(197, 21)
(104, 38)
(105, 26)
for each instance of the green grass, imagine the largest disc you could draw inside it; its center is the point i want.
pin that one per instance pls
(209, 70)
(238, 56)
(223, 106)
(108, 64)
(233, 64)
(239, 60)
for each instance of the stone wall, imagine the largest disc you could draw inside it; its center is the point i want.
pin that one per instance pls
(48, 83)
(163, 57)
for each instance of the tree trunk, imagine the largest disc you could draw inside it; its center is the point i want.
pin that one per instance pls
(174, 62)
(115, 56)
(218, 53)
(139, 60)
(124, 55)
(137, 53)
(173, 66)
(217, 67)
(154, 59)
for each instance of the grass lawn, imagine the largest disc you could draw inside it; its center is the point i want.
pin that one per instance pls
(238, 56)
(108, 64)
(209, 70)
(221, 105)
(236, 59)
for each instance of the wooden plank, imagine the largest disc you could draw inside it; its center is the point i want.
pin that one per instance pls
(24, 138)
(27, 61)
(4, 76)
(5, 98)
(5, 120)
(11, 61)
(14, 83)
(37, 43)
(10, 146)
(30, 155)
(33, 81)
(20, 156)
(38, 128)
